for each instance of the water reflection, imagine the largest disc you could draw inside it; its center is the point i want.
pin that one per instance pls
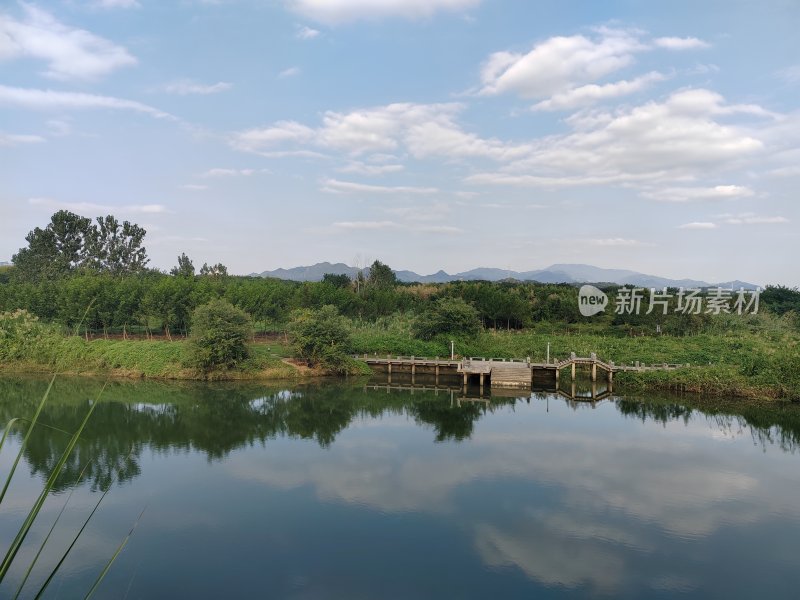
(521, 493)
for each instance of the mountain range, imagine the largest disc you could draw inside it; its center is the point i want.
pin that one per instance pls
(558, 273)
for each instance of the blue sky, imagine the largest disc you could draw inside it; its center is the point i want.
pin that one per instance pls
(660, 137)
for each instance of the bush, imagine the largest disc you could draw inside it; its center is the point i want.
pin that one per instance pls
(322, 337)
(448, 315)
(23, 336)
(219, 336)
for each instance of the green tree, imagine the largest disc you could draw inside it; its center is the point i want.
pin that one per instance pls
(381, 276)
(447, 315)
(337, 280)
(322, 337)
(117, 248)
(60, 248)
(219, 336)
(185, 267)
(217, 270)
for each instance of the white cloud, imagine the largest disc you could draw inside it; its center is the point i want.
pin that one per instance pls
(678, 43)
(15, 139)
(333, 12)
(184, 87)
(753, 219)
(675, 140)
(335, 186)
(423, 129)
(362, 168)
(69, 53)
(219, 172)
(52, 100)
(692, 194)
(255, 140)
(59, 127)
(559, 64)
(89, 207)
(591, 93)
(290, 72)
(194, 187)
(306, 33)
(698, 225)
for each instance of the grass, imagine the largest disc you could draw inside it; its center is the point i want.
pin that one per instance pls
(742, 361)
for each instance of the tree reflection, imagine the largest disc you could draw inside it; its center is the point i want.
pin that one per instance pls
(217, 419)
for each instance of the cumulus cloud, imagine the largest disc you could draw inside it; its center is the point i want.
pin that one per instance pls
(679, 43)
(559, 64)
(52, 100)
(679, 138)
(334, 12)
(592, 93)
(185, 87)
(70, 53)
(423, 130)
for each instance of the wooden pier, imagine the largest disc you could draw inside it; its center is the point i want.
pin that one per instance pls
(504, 373)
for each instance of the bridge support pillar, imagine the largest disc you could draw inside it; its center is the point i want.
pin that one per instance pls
(465, 380)
(483, 379)
(573, 371)
(610, 377)
(594, 372)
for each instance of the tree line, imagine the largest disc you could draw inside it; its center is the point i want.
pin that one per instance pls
(75, 271)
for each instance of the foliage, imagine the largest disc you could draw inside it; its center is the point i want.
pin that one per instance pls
(71, 243)
(217, 270)
(381, 276)
(341, 280)
(22, 335)
(322, 337)
(219, 336)
(447, 316)
(185, 267)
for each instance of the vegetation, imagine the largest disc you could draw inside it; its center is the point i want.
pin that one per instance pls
(93, 288)
(322, 337)
(219, 336)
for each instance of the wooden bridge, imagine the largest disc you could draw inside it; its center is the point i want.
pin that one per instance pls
(502, 372)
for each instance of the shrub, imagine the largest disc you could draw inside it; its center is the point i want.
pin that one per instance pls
(322, 337)
(219, 335)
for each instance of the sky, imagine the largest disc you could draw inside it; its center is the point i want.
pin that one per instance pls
(662, 137)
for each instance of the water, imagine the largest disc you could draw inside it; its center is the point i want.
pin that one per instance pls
(332, 490)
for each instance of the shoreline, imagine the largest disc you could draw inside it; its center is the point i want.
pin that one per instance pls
(626, 383)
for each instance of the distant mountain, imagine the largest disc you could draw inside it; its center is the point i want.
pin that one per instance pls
(558, 273)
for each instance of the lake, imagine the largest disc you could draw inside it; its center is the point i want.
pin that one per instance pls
(339, 489)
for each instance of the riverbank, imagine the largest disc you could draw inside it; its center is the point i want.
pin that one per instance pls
(745, 366)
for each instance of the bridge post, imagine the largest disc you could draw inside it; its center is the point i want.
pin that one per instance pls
(465, 380)
(483, 376)
(610, 378)
(594, 372)
(573, 369)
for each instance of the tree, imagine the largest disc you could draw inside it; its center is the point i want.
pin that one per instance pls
(447, 315)
(219, 336)
(381, 276)
(116, 248)
(60, 248)
(217, 270)
(185, 267)
(322, 337)
(337, 280)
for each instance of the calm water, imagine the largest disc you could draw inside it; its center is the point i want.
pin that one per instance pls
(335, 490)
